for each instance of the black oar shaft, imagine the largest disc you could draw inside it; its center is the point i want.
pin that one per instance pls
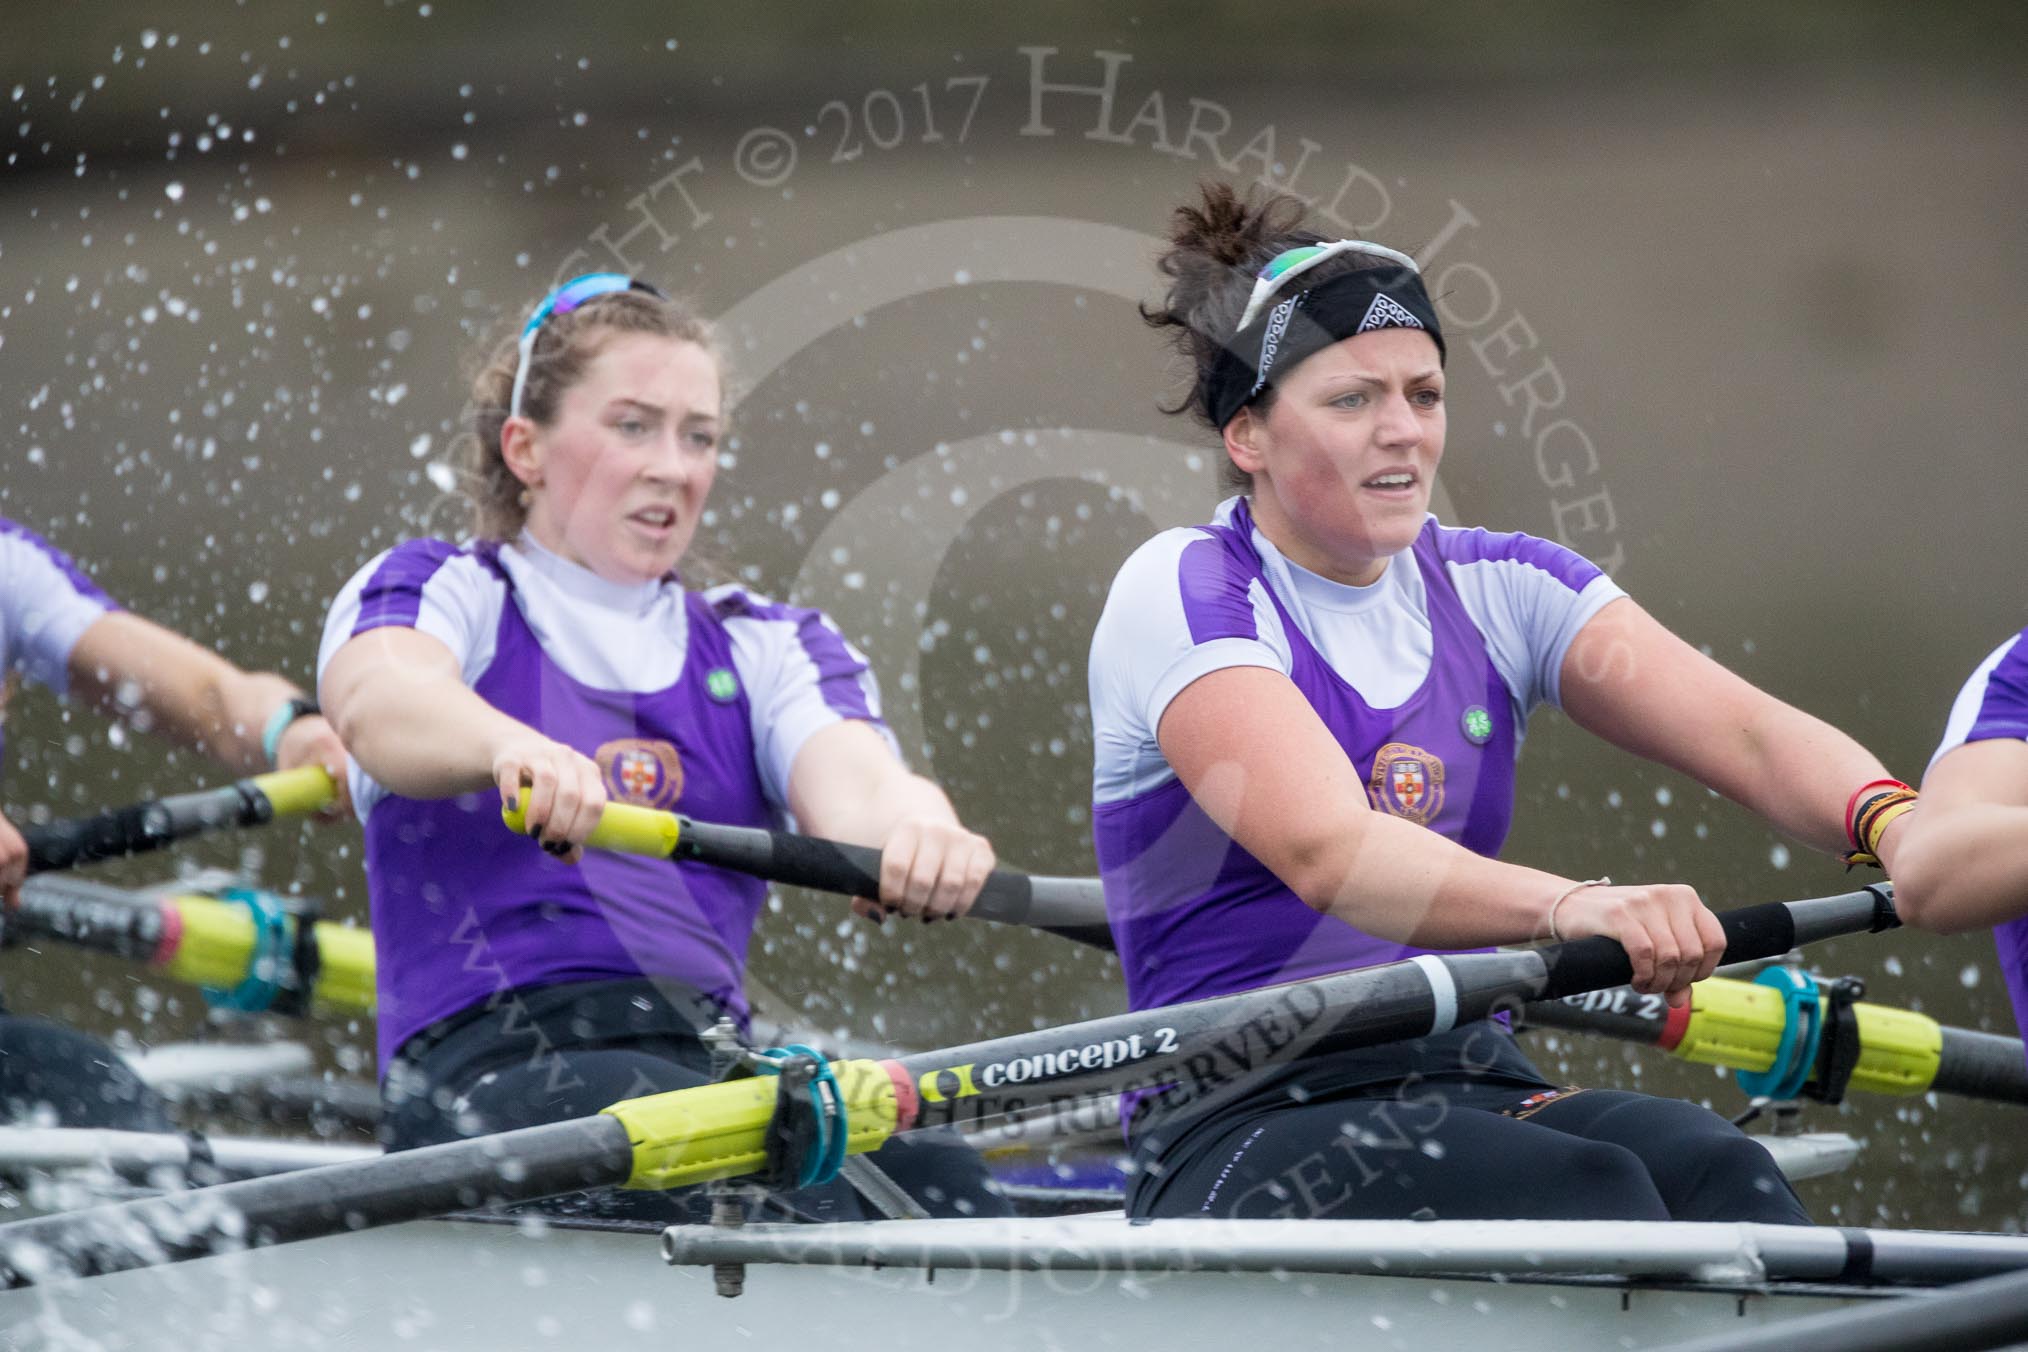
(141, 827)
(88, 915)
(514, 1166)
(1207, 1044)
(1073, 908)
(122, 831)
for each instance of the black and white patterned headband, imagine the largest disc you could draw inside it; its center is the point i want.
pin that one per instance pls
(1273, 339)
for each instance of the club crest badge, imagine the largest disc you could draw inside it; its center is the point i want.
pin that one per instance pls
(1407, 782)
(642, 772)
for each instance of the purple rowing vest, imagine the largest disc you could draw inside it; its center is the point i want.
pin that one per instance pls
(463, 909)
(1193, 913)
(2003, 714)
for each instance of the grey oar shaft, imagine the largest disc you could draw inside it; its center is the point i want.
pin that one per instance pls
(1982, 1065)
(513, 1166)
(91, 915)
(139, 1155)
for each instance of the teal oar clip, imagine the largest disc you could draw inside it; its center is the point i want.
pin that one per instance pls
(826, 1155)
(1802, 1033)
(256, 993)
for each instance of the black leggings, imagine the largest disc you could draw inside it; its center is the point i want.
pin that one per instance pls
(57, 1076)
(1459, 1150)
(549, 1065)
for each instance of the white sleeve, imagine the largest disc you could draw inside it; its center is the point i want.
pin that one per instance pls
(800, 675)
(428, 586)
(1180, 608)
(1530, 598)
(46, 604)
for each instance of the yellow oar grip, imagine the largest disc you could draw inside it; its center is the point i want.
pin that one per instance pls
(623, 827)
(345, 970)
(718, 1130)
(216, 943)
(307, 788)
(1899, 1050)
(1732, 1023)
(1739, 1024)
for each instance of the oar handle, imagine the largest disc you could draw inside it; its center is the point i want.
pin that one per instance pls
(622, 827)
(1073, 908)
(1765, 931)
(297, 792)
(140, 827)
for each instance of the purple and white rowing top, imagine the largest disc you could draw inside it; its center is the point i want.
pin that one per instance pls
(1426, 677)
(689, 701)
(1994, 704)
(46, 604)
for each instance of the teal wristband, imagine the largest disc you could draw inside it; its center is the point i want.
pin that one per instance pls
(287, 712)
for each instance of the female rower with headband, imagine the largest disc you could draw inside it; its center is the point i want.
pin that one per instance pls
(59, 629)
(560, 655)
(1306, 720)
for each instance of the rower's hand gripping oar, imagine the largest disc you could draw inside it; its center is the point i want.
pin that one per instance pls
(1072, 908)
(719, 1130)
(140, 827)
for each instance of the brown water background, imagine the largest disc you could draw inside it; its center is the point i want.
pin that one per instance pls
(1774, 257)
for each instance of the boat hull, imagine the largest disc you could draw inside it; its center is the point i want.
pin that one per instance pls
(461, 1284)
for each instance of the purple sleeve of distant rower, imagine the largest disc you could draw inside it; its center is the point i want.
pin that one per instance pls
(2003, 708)
(1993, 703)
(46, 604)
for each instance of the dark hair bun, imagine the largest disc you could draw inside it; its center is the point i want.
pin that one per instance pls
(1217, 246)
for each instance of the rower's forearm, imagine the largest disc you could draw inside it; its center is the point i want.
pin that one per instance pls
(1396, 880)
(1964, 868)
(892, 797)
(162, 683)
(1798, 772)
(423, 737)
(250, 699)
